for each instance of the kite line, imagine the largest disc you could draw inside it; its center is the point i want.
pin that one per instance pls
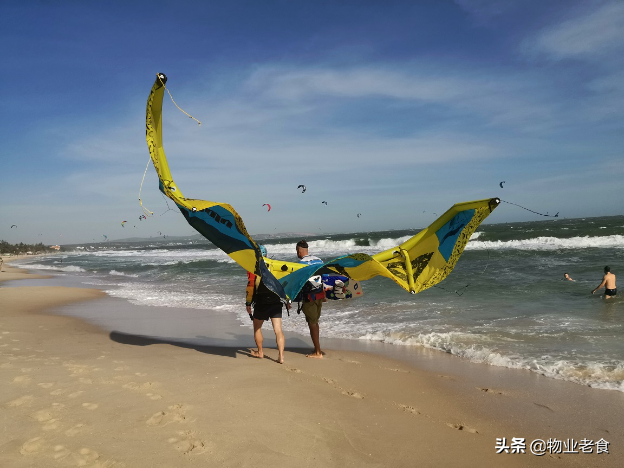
(541, 214)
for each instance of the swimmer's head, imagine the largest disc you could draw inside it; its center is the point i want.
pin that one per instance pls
(607, 269)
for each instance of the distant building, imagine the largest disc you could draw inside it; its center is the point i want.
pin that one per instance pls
(55, 247)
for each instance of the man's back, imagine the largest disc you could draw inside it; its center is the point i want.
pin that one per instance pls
(609, 279)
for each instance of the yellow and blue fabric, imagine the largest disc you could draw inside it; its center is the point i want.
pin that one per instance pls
(417, 264)
(217, 222)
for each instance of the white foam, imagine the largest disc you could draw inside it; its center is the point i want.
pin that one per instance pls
(56, 267)
(606, 375)
(119, 273)
(551, 243)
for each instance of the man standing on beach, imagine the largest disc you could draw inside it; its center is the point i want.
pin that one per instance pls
(267, 305)
(608, 281)
(313, 296)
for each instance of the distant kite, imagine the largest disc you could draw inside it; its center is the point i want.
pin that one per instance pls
(324, 202)
(302, 187)
(266, 204)
(13, 225)
(159, 233)
(501, 184)
(105, 237)
(122, 223)
(359, 214)
(142, 217)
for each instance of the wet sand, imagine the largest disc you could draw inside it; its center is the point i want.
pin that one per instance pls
(91, 380)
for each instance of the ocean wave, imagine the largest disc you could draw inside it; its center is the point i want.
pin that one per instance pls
(68, 268)
(120, 273)
(550, 243)
(605, 375)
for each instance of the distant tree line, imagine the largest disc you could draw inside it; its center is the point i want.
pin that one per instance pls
(21, 248)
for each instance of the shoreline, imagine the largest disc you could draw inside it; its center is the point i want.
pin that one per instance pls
(459, 407)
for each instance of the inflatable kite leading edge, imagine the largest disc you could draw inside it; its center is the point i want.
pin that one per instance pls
(419, 263)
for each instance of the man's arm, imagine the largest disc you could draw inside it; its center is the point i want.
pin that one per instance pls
(604, 281)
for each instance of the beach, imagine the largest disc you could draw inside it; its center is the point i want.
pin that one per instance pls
(114, 392)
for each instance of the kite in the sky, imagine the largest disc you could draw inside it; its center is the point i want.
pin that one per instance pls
(122, 223)
(417, 264)
(501, 184)
(13, 225)
(359, 214)
(303, 187)
(105, 237)
(142, 217)
(324, 202)
(266, 204)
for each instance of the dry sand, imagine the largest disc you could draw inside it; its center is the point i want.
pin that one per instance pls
(74, 394)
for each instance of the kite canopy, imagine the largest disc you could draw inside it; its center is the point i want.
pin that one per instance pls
(419, 263)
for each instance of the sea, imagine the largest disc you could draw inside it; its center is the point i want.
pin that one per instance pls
(506, 303)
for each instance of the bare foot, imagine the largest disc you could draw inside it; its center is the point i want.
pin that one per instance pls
(315, 356)
(256, 354)
(280, 360)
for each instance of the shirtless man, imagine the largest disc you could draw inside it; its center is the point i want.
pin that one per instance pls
(567, 277)
(608, 281)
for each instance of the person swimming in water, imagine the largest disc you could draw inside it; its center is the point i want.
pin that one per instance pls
(567, 277)
(608, 281)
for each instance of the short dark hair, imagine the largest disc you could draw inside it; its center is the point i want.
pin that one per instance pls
(564, 274)
(607, 269)
(302, 244)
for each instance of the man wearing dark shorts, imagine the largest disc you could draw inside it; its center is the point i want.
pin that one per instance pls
(608, 281)
(266, 305)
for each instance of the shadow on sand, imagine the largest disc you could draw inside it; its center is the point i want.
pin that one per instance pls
(227, 351)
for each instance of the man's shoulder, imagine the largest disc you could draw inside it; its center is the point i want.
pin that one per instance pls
(311, 260)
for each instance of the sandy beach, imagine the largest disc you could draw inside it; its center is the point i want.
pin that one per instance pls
(122, 394)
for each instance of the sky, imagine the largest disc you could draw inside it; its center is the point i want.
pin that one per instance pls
(393, 110)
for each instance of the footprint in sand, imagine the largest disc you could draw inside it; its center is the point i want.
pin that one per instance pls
(22, 379)
(46, 385)
(48, 414)
(409, 409)
(176, 413)
(462, 427)
(23, 400)
(51, 425)
(394, 369)
(90, 406)
(75, 394)
(292, 369)
(188, 443)
(329, 381)
(85, 380)
(153, 396)
(83, 457)
(58, 391)
(357, 395)
(34, 445)
(490, 390)
(139, 387)
(74, 430)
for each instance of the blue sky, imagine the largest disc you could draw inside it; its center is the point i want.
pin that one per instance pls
(395, 110)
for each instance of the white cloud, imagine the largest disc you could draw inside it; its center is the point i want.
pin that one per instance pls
(589, 35)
